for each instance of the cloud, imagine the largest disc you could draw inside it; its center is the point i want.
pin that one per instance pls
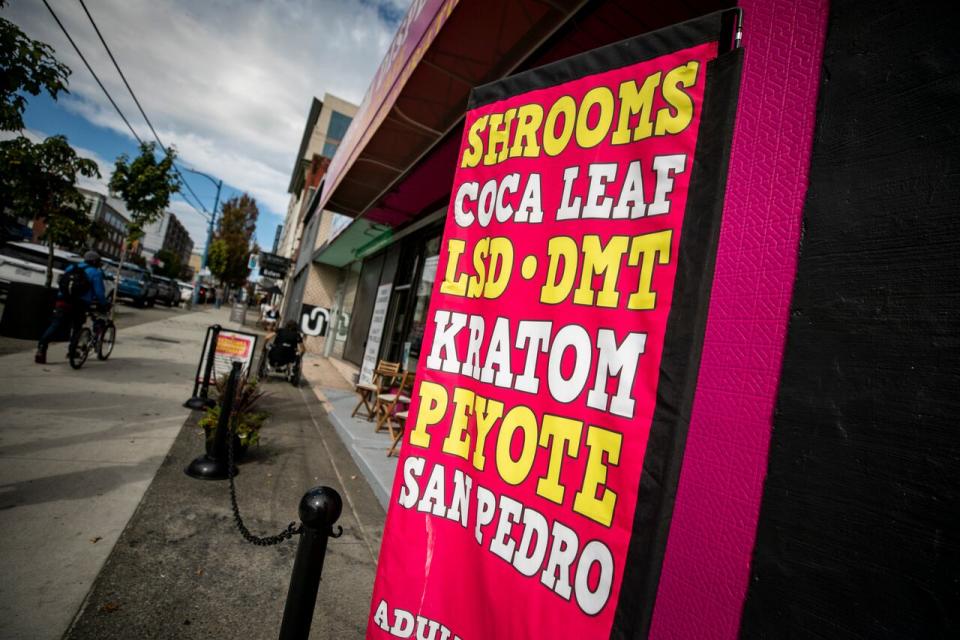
(229, 84)
(95, 184)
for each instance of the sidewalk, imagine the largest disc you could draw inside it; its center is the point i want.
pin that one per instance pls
(77, 451)
(181, 569)
(368, 449)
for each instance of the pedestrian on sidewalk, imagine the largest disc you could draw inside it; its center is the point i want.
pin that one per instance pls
(218, 296)
(80, 286)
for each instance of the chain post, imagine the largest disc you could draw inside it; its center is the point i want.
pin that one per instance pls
(216, 465)
(202, 401)
(319, 510)
(194, 396)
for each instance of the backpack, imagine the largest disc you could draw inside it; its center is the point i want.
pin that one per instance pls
(74, 283)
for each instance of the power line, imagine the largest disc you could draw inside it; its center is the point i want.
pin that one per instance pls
(201, 209)
(92, 72)
(136, 101)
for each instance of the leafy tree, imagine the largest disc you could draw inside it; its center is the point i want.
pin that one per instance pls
(230, 250)
(26, 66)
(171, 264)
(217, 259)
(145, 184)
(39, 181)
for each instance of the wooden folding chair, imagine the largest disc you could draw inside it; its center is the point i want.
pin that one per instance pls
(397, 425)
(383, 377)
(387, 402)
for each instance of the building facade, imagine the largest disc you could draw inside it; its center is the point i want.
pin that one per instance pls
(110, 219)
(167, 234)
(307, 227)
(782, 517)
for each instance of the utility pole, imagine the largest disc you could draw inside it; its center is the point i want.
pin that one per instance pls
(206, 248)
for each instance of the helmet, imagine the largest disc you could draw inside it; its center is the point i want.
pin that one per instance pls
(92, 258)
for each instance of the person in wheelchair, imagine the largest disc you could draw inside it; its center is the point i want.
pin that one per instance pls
(283, 352)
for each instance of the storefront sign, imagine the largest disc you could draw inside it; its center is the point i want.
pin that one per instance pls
(375, 335)
(274, 266)
(232, 346)
(560, 351)
(314, 320)
(414, 36)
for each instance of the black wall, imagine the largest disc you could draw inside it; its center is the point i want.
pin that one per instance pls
(858, 532)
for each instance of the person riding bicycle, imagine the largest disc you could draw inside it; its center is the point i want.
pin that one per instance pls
(80, 287)
(285, 345)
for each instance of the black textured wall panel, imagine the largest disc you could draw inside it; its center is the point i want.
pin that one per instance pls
(858, 531)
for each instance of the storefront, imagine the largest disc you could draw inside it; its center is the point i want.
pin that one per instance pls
(782, 456)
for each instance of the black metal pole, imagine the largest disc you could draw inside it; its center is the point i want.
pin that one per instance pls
(216, 465)
(319, 510)
(203, 400)
(196, 377)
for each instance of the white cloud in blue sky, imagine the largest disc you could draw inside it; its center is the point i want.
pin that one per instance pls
(227, 83)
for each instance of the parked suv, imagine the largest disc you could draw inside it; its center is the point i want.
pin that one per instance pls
(26, 262)
(167, 291)
(137, 286)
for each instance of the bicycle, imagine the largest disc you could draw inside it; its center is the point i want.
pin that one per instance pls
(99, 337)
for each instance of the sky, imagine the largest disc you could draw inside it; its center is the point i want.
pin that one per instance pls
(228, 83)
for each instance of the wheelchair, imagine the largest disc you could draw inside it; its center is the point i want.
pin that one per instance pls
(281, 358)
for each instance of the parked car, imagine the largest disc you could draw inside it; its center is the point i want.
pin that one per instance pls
(137, 286)
(26, 262)
(186, 291)
(168, 292)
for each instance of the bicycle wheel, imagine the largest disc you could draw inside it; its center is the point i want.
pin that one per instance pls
(81, 348)
(107, 340)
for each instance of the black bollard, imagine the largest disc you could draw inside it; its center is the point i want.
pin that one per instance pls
(319, 510)
(215, 465)
(202, 401)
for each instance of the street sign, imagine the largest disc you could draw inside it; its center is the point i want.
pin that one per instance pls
(232, 346)
(273, 266)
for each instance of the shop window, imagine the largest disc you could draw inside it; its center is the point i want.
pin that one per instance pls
(338, 126)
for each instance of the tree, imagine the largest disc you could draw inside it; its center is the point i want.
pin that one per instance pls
(26, 66)
(145, 184)
(39, 181)
(171, 264)
(229, 253)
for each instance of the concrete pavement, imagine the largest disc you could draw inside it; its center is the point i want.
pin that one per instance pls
(77, 451)
(181, 569)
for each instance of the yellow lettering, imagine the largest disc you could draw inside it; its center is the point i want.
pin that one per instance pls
(600, 260)
(599, 442)
(681, 103)
(529, 119)
(650, 246)
(561, 436)
(457, 442)
(433, 406)
(554, 144)
(520, 418)
(473, 153)
(601, 97)
(555, 290)
(632, 102)
(458, 287)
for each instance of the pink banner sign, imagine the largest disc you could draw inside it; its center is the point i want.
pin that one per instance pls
(513, 506)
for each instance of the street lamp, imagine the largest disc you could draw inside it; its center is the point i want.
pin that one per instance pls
(206, 248)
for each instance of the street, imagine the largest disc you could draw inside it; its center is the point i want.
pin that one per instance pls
(126, 316)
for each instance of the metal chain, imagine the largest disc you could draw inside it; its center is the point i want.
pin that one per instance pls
(268, 541)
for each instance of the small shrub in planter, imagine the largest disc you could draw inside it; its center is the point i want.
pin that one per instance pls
(245, 421)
